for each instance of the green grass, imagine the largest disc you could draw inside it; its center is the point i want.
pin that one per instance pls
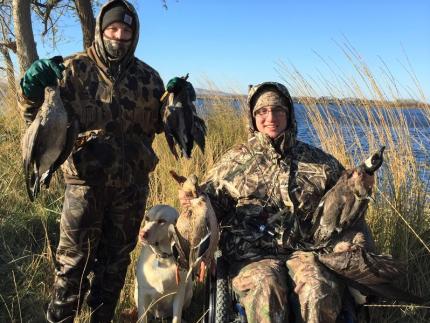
(399, 217)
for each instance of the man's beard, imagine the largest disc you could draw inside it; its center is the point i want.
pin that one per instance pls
(116, 49)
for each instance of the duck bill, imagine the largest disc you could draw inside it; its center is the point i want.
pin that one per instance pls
(163, 97)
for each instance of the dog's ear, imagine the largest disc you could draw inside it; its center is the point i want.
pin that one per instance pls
(171, 232)
(178, 178)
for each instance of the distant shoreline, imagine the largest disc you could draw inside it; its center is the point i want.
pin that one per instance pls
(400, 103)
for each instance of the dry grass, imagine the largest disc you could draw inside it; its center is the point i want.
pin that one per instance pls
(400, 216)
(399, 219)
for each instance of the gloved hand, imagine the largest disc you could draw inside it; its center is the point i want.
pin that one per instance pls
(42, 73)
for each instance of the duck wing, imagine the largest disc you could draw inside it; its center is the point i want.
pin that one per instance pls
(44, 141)
(369, 273)
(199, 132)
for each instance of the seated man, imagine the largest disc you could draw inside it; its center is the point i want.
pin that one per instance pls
(264, 193)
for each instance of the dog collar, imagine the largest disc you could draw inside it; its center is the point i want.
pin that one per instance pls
(162, 254)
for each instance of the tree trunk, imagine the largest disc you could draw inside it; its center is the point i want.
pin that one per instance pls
(88, 22)
(25, 44)
(9, 69)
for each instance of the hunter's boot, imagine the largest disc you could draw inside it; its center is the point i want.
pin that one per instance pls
(62, 308)
(67, 298)
(101, 311)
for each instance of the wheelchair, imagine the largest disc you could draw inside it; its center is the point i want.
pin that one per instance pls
(223, 305)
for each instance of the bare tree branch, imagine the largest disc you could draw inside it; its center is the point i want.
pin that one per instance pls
(88, 22)
(25, 44)
(9, 45)
(6, 16)
(44, 10)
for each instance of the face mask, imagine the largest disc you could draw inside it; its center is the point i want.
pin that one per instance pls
(116, 49)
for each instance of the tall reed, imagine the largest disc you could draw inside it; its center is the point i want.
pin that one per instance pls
(399, 217)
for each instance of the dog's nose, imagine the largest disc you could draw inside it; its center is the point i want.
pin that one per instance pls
(143, 235)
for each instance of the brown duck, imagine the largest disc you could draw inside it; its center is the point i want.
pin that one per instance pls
(47, 142)
(197, 227)
(370, 275)
(196, 235)
(346, 202)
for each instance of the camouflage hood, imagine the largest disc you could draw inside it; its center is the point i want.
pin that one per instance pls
(98, 51)
(286, 139)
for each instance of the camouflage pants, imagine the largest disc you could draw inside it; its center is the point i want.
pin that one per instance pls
(262, 290)
(318, 292)
(98, 230)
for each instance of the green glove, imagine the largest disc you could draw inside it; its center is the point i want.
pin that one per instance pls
(42, 73)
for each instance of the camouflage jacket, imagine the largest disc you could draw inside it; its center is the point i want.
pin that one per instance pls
(118, 112)
(265, 200)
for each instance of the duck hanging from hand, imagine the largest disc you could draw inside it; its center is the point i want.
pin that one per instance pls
(182, 126)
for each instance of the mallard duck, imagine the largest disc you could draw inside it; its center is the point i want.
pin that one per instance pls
(182, 126)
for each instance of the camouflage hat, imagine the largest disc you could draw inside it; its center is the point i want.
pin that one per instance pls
(255, 90)
(270, 98)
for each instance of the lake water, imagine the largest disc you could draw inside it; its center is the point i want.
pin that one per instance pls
(416, 119)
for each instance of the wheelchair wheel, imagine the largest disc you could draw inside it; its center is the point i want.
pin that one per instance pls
(223, 301)
(219, 299)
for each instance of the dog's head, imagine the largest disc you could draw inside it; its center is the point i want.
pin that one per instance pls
(157, 222)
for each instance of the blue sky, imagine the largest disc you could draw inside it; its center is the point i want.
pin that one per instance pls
(233, 43)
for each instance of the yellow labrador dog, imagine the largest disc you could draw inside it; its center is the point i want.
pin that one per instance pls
(156, 280)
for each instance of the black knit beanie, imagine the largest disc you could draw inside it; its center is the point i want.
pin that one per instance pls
(118, 13)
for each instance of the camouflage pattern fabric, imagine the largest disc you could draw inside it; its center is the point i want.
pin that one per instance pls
(318, 292)
(265, 192)
(265, 200)
(119, 111)
(262, 290)
(117, 105)
(92, 239)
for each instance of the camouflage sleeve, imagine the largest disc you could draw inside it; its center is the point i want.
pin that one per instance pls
(69, 86)
(28, 107)
(219, 185)
(159, 85)
(222, 203)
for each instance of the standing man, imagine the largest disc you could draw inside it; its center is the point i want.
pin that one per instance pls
(116, 99)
